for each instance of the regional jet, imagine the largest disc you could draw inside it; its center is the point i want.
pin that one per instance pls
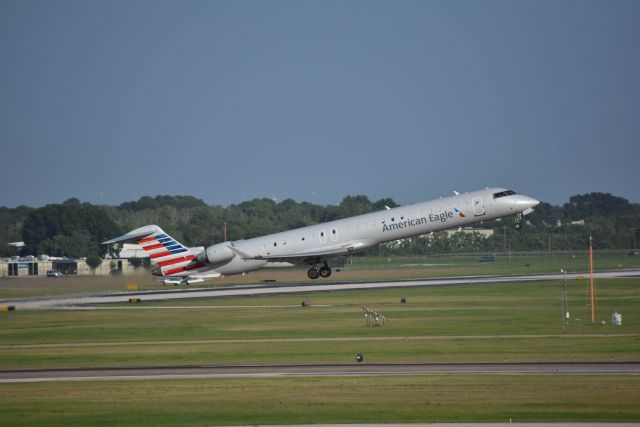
(315, 245)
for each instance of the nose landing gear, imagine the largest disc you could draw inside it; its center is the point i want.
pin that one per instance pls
(517, 220)
(315, 272)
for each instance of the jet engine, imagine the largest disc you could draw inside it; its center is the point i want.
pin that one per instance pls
(216, 255)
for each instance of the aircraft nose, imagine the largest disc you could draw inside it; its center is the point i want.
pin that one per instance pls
(526, 202)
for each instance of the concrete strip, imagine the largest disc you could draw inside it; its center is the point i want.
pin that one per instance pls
(190, 294)
(352, 370)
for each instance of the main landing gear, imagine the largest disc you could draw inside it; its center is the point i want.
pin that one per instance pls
(315, 272)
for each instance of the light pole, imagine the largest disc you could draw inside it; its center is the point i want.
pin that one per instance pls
(565, 303)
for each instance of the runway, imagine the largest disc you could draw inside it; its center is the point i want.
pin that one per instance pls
(337, 370)
(211, 293)
(468, 424)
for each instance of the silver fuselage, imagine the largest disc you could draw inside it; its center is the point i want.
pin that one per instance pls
(377, 227)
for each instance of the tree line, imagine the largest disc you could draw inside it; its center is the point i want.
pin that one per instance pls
(75, 229)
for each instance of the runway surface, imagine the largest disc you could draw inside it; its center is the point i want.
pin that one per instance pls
(210, 293)
(337, 370)
(509, 423)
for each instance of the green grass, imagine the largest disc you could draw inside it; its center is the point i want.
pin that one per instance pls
(517, 322)
(322, 400)
(492, 323)
(384, 349)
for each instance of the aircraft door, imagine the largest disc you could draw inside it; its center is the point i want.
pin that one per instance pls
(334, 234)
(323, 236)
(478, 207)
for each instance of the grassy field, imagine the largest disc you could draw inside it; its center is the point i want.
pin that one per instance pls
(493, 323)
(250, 401)
(518, 322)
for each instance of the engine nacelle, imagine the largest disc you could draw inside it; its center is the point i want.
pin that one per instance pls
(216, 255)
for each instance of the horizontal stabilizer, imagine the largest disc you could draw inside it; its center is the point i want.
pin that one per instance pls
(200, 277)
(135, 235)
(178, 280)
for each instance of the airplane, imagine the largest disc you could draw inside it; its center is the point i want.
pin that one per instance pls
(315, 245)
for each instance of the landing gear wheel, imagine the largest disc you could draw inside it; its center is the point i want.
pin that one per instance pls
(518, 225)
(313, 273)
(325, 271)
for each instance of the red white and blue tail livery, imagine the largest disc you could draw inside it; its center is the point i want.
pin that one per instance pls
(174, 261)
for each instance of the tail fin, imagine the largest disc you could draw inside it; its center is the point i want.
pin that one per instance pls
(171, 256)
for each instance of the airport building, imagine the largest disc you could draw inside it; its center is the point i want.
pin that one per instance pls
(132, 250)
(38, 267)
(30, 266)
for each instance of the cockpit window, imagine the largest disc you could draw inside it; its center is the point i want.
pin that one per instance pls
(504, 193)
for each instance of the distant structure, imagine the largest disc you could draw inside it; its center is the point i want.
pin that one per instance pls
(31, 266)
(471, 230)
(18, 246)
(131, 250)
(450, 233)
(38, 267)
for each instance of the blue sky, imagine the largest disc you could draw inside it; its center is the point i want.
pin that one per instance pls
(108, 101)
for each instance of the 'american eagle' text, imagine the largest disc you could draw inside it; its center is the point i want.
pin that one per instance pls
(442, 217)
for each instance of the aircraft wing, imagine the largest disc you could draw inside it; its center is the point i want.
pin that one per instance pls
(311, 255)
